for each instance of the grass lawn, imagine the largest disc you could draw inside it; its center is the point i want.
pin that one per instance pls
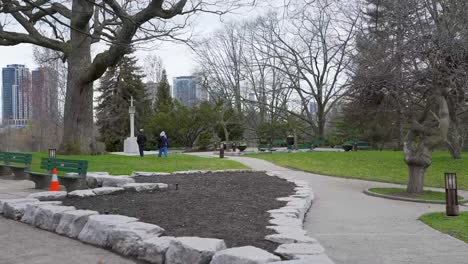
(385, 166)
(427, 194)
(125, 165)
(454, 226)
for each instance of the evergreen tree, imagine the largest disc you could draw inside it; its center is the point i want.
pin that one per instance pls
(163, 95)
(118, 85)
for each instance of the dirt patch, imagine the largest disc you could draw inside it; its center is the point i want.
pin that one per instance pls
(229, 206)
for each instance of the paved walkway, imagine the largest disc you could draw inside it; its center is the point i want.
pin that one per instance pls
(358, 229)
(23, 244)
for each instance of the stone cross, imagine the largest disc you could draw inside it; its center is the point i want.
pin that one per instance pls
(132, 111)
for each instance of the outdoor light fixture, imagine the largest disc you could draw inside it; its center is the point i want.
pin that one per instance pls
(52, 153)
(451, 194)
(221, 151)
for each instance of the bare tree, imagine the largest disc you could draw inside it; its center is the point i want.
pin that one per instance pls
(315, 50)
(72, 27)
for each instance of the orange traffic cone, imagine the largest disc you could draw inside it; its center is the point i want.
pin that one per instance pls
(54, 184)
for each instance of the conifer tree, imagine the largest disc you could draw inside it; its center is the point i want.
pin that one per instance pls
(118, 85)
(163, 95)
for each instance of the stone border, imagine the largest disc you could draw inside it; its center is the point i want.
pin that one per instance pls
(406, 199)
(296, 246)
(149, 173)
(129, 237)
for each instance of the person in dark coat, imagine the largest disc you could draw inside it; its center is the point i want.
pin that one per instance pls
(141, 140)
(163, 144)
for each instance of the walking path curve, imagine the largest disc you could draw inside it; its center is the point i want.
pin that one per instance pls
(358, 229)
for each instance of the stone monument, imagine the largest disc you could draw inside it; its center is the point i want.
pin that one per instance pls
(130, 144)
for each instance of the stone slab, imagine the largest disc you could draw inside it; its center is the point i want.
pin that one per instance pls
(3, 201)
(293, 251)
(126, 238)
(98, 228)
(107, 190)
(288, 238)
(81, 193)
(48, 196)
(153, 250)
(193, 250)
(31, 209)
(48, 216)
(243, 255)
(140, 187)
(15, 209)
(72, 222)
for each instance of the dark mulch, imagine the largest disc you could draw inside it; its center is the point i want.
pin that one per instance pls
(229, 206)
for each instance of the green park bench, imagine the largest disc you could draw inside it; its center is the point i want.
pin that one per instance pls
(361, 145)
(17, 163)
(71, 182)
(301, 146)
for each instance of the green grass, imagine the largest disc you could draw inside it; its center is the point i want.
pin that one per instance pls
(384, 166)
(427, 194)
(454, 226)
(125, 165)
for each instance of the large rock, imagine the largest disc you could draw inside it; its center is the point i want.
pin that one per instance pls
(126, 238)
(299, 250)
(288, 229)
(3, 201)
(48, 216)
(72, 222)
(243, 255)
(154, 249)
(288, 238)
(15, 208)
(107, 190)
(140, 187)
(81, 193)
(149, 174)
(98, 228)
(116, 181)
(285, 221)
(193, 250)
(31, 209)
(311, 259)
(48, 196)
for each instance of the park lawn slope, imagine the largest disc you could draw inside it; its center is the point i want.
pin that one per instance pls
(384, 166)
(125, 165)
(454, 226)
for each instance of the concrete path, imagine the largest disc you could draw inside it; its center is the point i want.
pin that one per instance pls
(358, 229)
(24, 244)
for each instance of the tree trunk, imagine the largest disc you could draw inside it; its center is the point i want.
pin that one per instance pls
(416, 179)
(455, 141)
(78, 134)
(418, 157)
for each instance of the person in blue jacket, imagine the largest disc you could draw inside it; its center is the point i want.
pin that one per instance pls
(163, 144)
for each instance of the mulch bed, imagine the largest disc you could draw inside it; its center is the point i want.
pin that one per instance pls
(231, 206)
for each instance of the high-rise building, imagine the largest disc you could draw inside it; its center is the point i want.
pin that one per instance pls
(16, 94)
(188, 91)
(45, 94)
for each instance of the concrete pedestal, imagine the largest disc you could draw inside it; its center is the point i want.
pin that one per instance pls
(131, 145)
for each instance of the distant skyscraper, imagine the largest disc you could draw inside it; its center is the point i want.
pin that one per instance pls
(17, 96)
(45, 94)
(313, 107)
(188, 91)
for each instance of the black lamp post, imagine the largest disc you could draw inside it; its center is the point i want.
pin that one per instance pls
(451, 194)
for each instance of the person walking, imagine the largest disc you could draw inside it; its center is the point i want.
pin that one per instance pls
(141, 140)
(163, 144)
